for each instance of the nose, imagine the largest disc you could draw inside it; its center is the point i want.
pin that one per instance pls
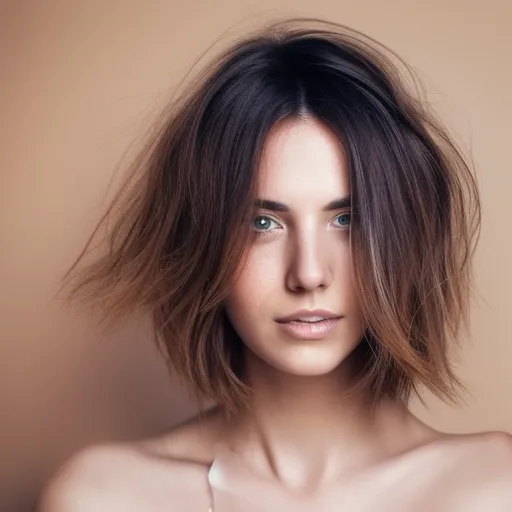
(309, 266)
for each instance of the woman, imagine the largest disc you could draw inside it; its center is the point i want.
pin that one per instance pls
(301, 235)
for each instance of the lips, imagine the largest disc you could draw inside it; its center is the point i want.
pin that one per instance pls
(309, 316)
(309, 330)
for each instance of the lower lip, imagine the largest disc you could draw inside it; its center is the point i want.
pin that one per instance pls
(310, 331)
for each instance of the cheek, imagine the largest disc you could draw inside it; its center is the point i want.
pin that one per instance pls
(348, 289)
(251, 297)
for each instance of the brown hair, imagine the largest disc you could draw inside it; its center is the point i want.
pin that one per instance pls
(182, 218)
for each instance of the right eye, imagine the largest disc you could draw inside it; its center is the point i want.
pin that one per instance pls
(261, 224)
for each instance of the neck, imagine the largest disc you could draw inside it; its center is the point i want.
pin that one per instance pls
(306, 431)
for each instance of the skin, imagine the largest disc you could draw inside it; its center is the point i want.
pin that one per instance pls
(304, 445)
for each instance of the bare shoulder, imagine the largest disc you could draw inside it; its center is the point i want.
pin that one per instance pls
(126, 477)
(494, 455)
(165, 472)
(192, 440)
(492, 451)
(482, 469)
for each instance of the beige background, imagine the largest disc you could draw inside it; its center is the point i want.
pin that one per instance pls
(80, 79)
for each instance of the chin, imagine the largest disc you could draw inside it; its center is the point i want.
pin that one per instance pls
(307, 361)
(310, 370)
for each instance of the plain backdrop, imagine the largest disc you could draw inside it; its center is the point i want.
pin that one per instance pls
(80, 81)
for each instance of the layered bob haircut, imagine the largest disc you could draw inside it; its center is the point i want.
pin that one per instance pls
(182, 219)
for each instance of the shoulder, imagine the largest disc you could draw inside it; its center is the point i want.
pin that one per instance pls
(124, 477)
(193, 440)
(491, 452)
(493, 456)
(166, 471)
(482, 470)
(82, 483)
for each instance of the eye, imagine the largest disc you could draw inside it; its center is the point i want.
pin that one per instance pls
(344, 219)
(261, 224)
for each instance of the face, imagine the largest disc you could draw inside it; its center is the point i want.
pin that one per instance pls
(300, 258)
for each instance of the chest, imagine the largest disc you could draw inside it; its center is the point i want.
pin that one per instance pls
(391, 492)
(404, 487)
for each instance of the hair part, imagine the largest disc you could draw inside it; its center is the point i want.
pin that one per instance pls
(182, 217)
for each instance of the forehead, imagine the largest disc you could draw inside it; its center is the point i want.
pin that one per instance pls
(303, 160)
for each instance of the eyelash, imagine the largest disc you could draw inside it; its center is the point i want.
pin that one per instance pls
(264, 233)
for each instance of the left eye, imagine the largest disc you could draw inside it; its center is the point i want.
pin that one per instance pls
(345, 217)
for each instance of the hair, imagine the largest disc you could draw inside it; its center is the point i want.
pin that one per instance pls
(182, 217)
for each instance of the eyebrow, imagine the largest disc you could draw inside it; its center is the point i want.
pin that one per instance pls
(336, 204)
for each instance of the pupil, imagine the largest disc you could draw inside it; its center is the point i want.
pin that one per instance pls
(261, 221)
(343, 219)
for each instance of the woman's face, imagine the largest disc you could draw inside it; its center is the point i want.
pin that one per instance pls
(300, 258)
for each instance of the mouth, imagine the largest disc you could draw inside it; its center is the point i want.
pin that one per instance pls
(307, 320)
(309, 329)
(309, 316)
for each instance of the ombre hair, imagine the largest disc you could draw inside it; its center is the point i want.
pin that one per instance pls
(182, 219)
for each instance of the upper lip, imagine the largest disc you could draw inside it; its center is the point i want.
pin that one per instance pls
(305, 313)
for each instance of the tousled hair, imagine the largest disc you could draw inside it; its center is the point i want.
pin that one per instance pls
(182, 218)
